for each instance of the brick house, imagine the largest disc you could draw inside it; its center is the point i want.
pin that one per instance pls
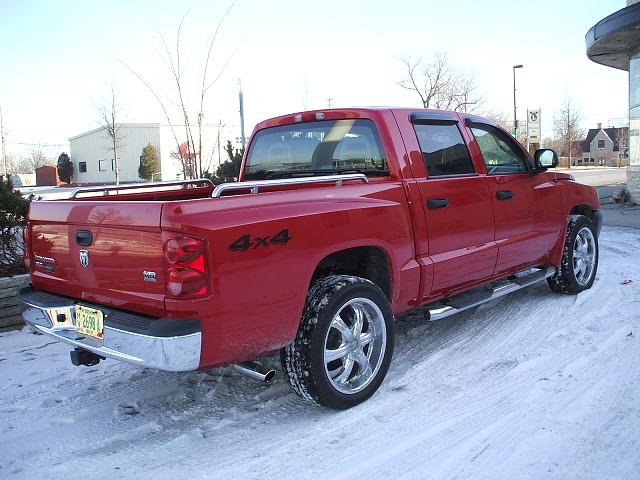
(605, 147)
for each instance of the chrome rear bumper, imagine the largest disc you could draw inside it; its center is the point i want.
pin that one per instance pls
(165, 343)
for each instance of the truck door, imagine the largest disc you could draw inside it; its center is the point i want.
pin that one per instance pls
(527, 205)
(456, 201)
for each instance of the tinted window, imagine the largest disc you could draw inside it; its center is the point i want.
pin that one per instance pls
(316, 148)
(500, 153)
(443, 150)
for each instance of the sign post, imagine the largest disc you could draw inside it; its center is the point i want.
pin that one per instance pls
(533, 129)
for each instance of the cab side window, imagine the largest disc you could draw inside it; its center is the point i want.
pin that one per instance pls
(443, 150)
(500, 154)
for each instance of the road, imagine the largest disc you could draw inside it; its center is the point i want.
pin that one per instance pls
(535, 385)
(599, 176)
(608, 181)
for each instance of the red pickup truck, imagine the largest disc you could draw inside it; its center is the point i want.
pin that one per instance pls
(342, 219)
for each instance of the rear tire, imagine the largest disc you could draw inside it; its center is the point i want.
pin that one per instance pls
(579, 257)
(344, 344)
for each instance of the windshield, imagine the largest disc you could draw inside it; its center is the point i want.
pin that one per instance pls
(317, 148)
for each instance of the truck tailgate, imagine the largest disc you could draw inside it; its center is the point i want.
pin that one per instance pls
(104, 253)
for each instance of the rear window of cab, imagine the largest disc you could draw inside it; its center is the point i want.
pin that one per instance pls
(316, 148)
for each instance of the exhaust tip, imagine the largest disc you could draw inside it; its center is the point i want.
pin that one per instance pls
(269, 375)
(255, 371)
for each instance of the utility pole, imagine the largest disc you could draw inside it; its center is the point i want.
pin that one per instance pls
(515, 118)
(242, 139)
(569, 134)
(219, 128)
(329, 101)
(3, 136)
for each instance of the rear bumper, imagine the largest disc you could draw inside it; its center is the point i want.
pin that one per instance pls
(164, 343)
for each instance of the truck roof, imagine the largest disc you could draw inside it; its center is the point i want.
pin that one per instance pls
(349, 112)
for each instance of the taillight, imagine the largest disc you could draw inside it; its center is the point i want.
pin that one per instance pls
(26, 239)
(186, 272)
(182, 249)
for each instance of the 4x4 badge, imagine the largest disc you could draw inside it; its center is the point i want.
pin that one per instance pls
(84, 258)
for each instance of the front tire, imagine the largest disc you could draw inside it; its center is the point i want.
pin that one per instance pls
(344, 344)
(579, 257)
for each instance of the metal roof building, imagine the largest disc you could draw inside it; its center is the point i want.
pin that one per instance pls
(92, 152)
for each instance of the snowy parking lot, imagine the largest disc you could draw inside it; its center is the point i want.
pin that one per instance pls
(535, 385)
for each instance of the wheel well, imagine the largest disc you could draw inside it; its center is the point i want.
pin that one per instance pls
(371, 263)
(585, 210)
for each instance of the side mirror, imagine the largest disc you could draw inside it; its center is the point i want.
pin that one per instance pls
(546, 158)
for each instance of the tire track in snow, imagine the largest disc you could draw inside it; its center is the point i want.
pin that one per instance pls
(572, 388)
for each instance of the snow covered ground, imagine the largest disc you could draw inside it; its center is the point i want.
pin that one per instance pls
(535, 385)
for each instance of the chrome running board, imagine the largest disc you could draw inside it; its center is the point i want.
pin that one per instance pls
(464, 301)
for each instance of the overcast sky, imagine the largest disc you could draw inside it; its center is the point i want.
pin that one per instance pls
(59, 58)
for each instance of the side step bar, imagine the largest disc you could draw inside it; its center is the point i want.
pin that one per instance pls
(473, 298)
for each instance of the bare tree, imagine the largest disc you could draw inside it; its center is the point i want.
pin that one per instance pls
(173, 63)
(441, 85)
(158, 99)
(12, 164)
(552, 143)
(623, 143)
(566, 125)
(17, 165)
(503, 119)
(108, 113)
(206, 84)
(172, 58)
(187, 160)
(499, 117)
(304, 96)
(36, 159)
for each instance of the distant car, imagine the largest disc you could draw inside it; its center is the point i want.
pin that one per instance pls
(342, 219)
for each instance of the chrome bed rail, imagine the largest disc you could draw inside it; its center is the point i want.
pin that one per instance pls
(105, 189)
(255, 185)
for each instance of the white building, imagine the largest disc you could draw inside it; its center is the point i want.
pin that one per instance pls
(92, 152)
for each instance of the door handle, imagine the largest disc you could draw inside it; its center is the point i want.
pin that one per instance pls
(504, 194)
(84, 238)
(436, 203)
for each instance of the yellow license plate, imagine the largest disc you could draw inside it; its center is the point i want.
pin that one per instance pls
(89, 321)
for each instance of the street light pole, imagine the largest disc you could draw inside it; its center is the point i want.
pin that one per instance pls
(4, 153)
(515, 118)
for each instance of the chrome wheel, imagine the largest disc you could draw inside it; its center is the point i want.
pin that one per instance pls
(584, 255)
(354, 346)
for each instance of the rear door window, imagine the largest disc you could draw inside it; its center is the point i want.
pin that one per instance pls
(443, 150)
